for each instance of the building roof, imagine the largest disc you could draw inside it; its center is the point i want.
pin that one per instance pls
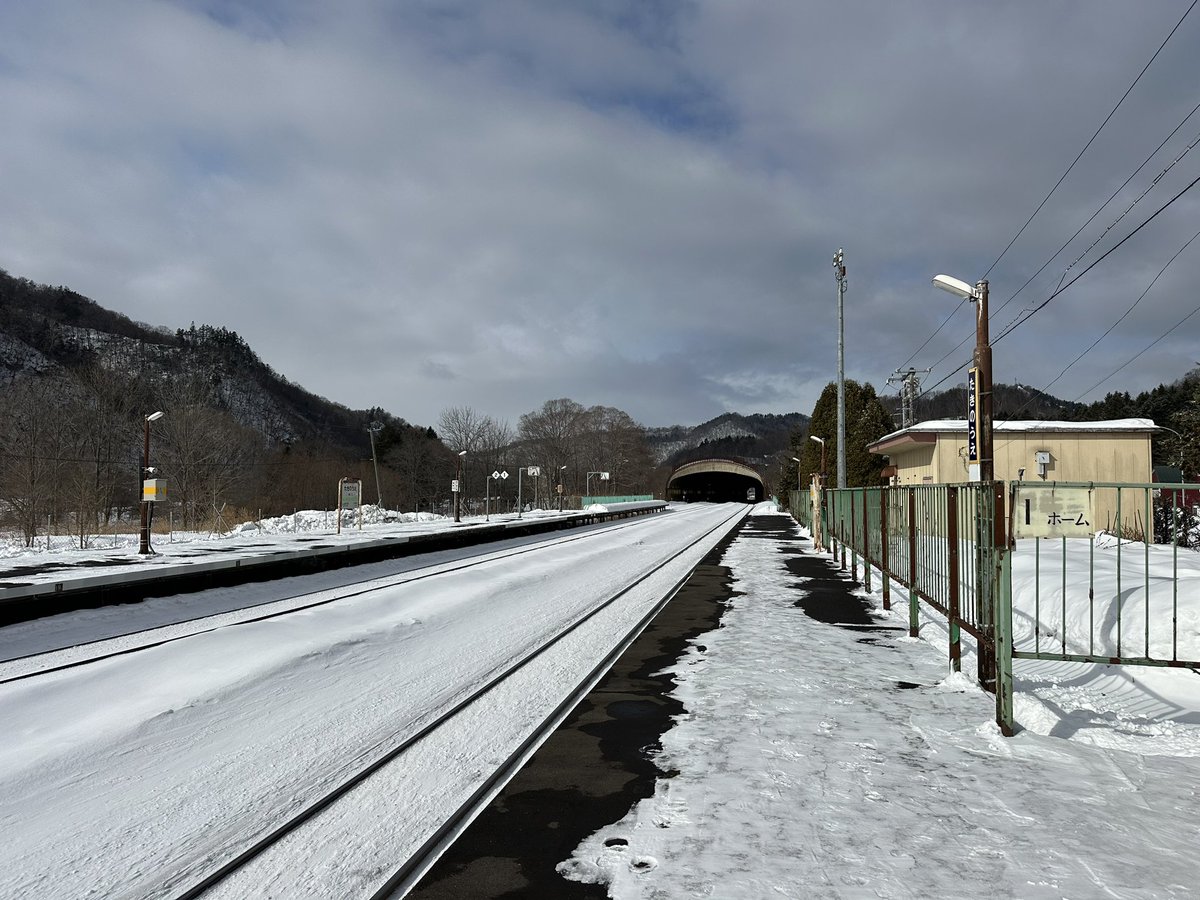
(927, 432)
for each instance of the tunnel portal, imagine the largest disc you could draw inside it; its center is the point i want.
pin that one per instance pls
(716, 481)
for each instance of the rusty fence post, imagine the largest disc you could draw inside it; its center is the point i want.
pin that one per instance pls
(885, 571)
(866, 543)
(914, 626)
(952, 569)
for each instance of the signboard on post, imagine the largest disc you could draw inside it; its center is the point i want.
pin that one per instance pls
(973, 423)
(349, 497)
(1052, 512)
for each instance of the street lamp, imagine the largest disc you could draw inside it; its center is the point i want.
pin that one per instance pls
(144, 534)
(1180, 436)
(821, 441)
(560, 487)
(979, 386)
(458, 485)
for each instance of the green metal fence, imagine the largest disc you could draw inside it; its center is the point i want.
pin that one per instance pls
(944, 543)
(1126, 591)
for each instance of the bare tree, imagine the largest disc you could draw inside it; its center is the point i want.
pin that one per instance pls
(204, 453)
(33, 450)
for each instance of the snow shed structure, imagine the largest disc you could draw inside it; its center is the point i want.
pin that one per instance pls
(716, 481)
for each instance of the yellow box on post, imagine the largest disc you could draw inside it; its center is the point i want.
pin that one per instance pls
(154, 489)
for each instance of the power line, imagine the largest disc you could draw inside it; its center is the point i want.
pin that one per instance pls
(1078, 231)
(1019, 322)
(1090, 140)
(1060, 290)
(1110, 199)
(1147, 347)
(1124, 314)
(1110, 330)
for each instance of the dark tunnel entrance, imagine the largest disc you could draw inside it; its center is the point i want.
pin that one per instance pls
(715, 481)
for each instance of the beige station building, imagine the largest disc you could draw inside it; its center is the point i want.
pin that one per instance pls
(1116, 451)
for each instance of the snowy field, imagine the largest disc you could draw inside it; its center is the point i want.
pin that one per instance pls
(133, 775)
(813, 761)
(819, 761)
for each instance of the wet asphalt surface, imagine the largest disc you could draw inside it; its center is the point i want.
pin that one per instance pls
(598, 764)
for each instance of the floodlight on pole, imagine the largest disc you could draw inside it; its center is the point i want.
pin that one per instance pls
(955, 286)
(980, 444)
(981, 377)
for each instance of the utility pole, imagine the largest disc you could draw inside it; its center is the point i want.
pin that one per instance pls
(373, 429)
(839, 272)
(910, 389)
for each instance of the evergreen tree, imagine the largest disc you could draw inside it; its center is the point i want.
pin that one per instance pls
(866, 421)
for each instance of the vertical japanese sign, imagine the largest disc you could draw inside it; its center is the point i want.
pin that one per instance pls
(972, 415)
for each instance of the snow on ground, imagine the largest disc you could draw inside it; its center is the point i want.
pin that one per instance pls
(806, 768)
(127, 777)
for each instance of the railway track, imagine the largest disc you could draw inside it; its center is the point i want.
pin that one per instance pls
(20, 668)
(228, 877)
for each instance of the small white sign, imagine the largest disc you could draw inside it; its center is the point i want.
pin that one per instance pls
(533, 471)
(1053, 512)
(351, 494)
(504, 474)
(496, 474)
(454, 486)
(604, 476)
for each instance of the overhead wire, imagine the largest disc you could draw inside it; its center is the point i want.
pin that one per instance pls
(1103, 205)
(1129, 90)
(1017, 323)
(1109, 331)
(1145, 349)
(1092, 217)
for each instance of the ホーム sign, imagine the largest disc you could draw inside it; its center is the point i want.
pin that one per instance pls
(1052, 511)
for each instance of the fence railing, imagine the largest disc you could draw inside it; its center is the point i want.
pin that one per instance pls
(1126, 593)
(1113, 597)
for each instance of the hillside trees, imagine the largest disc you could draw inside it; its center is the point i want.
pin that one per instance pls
(32, 450)
(866, 422)
(205, 454)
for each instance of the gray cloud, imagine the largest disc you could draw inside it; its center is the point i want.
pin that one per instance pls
(631, 204)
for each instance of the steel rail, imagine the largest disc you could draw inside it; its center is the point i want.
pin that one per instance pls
(435, 845)
(371, 584)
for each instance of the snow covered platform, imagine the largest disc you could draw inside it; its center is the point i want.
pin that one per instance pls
(34, 584)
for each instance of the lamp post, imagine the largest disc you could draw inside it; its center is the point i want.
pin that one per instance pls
(796, 460)
(982, 371)
(373, 429)
(821, 441)
(144, 533)
(980, 386)
(458, 468)
(1180, 436)
(839, 272)
(560, 487)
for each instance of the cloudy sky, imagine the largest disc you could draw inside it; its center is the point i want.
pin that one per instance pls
(633, 203)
